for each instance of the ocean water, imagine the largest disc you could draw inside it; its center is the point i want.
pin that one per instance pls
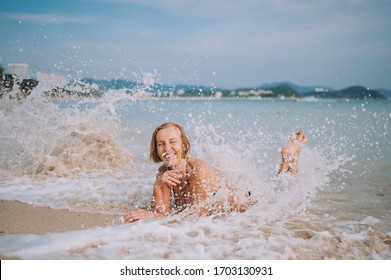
(92, 155)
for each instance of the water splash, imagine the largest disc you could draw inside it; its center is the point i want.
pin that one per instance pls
(93, 155)
(48, 137)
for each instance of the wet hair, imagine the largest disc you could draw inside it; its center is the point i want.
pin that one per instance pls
(153, 155)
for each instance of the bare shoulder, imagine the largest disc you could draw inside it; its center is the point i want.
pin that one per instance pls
(200, 167)
(202, 176)
(194, 162)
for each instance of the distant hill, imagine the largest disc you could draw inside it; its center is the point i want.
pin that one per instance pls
(354, 92)
(299, 89)
(285, 91)
(111, 84)
(385, 92)
(273, 90)
(358, 92)
(158, 89)
(278, 90)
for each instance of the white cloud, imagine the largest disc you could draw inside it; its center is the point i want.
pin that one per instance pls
(283, 35)
(203, 8)
(252, 8)
(48, 18)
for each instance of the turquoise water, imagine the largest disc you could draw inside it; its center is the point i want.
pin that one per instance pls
(92, 155)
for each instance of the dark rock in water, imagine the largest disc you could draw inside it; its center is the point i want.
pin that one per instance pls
(7, 81)
(27, 85)
(69, 92)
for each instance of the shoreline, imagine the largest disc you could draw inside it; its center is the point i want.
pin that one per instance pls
(20, 218)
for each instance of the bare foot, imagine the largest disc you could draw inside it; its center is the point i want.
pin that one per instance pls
(290, 153)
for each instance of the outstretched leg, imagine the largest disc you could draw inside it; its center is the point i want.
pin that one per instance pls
(290, 153)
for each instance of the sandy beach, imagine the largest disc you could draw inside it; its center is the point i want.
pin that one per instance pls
(20, 218)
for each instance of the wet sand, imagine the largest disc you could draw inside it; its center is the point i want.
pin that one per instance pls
(20, 218)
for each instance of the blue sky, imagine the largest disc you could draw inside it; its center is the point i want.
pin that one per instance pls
(225, 43)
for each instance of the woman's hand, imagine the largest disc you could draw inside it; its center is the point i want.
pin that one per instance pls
(171, 178)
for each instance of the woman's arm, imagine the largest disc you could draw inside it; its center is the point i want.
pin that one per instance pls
(161, 201)
(161, 198)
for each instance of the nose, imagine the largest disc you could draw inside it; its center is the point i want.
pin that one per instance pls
(167, 147)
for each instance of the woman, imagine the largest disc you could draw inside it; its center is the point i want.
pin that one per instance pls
(190, 180)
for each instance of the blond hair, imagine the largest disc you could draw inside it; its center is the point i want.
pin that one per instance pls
(153, 155)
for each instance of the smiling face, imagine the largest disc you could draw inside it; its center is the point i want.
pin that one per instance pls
(177, 134)
(169, 146)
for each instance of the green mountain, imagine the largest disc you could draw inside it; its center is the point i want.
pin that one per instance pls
(353, 92)
(384, 92)
(299, 89)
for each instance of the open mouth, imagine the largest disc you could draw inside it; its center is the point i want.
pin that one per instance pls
(169, 158)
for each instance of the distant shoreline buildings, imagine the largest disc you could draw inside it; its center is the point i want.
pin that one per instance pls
(21, 70)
